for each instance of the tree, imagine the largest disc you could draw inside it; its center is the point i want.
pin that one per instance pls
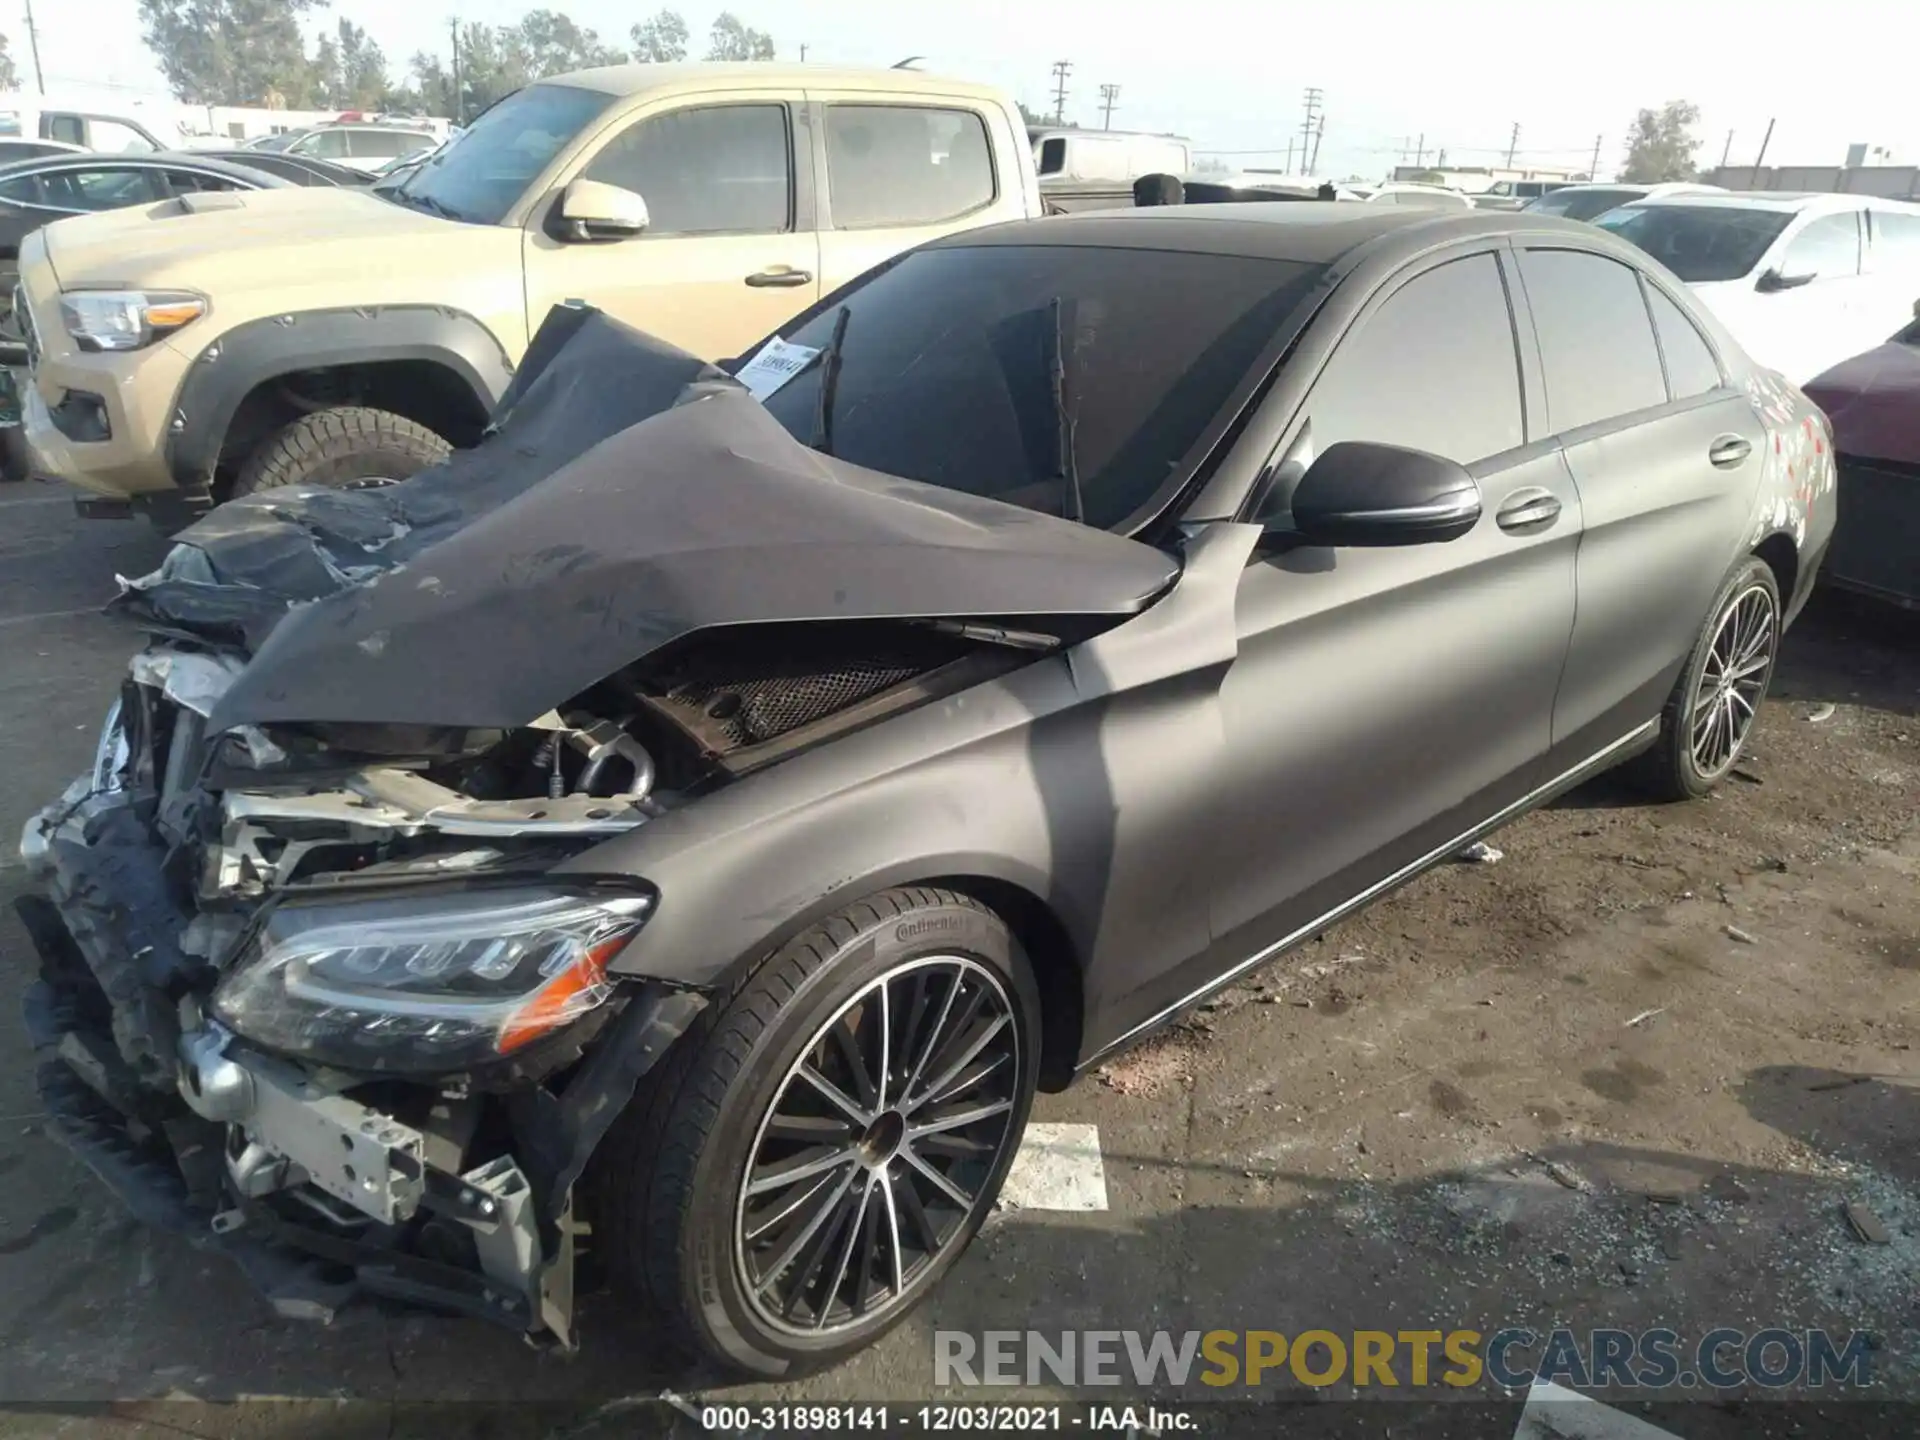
(362, 82)
(9, 78)
(733, 39)
(1661, 145)
(232, 52)
(545, 42)
(661, 40)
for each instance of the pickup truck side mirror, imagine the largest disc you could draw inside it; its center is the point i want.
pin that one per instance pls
(1772, 280)
(1359, 493)
(592, 210)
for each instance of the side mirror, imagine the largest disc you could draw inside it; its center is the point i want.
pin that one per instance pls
(1359, 493)
(1773, 280)
(592, 210)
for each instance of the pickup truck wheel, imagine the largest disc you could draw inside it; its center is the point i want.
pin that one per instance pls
(821, 1148)
(345, 446)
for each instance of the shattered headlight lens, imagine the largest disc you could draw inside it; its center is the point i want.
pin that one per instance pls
(127, 319)
(426, 985)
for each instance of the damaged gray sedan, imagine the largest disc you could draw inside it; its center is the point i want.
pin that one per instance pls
(684, 831)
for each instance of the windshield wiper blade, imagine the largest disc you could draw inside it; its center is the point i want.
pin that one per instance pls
(1067, 468)
(829, 384)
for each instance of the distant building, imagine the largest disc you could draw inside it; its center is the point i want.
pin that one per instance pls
(1889, 182)
(1477, 179)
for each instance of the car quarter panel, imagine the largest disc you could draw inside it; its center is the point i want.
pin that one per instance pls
(1090, 779)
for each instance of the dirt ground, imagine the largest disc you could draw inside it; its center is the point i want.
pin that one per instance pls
(1628, 1075)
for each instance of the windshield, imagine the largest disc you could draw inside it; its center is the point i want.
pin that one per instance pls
(280, 141)
(946, 367)
(1583, 204)
(480, 176)
(1699, 243)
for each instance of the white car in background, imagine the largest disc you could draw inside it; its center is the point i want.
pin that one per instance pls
(1406, 192)
(359, 145)
(1589, 201)
(1802, 281)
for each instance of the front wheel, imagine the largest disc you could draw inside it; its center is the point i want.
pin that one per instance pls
(821, 1150)
(1716, 700)
(341, 447)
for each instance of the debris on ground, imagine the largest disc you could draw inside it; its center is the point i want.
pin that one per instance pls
(1568, 1177)
(1644, 1016)
(1866, 1225)
(1820, 712)
(1736, 934)
(1747, 775)
(1480, 853)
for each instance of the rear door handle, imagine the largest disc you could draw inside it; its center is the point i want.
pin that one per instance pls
(1729, 451)
(779, 279)
(1527, 510)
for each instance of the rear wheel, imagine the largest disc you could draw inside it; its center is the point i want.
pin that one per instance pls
(342, 447)
(820, 1152)
(1716, 700)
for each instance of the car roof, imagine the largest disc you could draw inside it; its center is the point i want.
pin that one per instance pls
(168, 159)
(636, 79)
(1791, 202)
(1316, 233)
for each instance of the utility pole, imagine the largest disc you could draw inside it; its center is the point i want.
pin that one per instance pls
(1061, 69)
(1289, 167)
(1109, 95)
(1306, 126)
(33, 45)
(803, 54)
(1513, 144)
(1420, 151)
(1313, 165)
(1593, 170)
(1760, 159)
(459, 116)
(1440, 160)
(1726, 150)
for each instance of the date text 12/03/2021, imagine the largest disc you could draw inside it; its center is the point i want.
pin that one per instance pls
(946, 1419)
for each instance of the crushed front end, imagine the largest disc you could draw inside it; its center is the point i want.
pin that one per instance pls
(326, 1011)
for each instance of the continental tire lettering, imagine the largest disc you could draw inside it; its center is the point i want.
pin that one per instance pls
(932, 925)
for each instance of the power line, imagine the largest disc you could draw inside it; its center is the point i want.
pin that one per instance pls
(1061, 69)
(1109, 95)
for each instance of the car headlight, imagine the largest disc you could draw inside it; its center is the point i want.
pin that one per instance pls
(425, 985)
(127, 319)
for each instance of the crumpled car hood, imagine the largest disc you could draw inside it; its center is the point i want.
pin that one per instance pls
(630, 496)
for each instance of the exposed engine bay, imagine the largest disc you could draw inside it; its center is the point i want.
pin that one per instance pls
(330, 977)
(267, 851)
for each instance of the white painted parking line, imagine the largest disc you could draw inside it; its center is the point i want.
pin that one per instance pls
(1555, 1413)
(1058, 1168)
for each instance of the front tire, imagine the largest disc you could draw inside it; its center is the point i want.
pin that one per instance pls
(820, 1150)
(1715, 702)
(344, 446)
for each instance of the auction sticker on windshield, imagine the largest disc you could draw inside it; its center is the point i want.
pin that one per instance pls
(776, 364)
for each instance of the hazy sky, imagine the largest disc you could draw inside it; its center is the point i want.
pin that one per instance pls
(1232, 75)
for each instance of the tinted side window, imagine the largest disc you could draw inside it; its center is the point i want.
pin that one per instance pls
(1827, 249)
(724, 170)
(183, 182)
(1691, 368)
(22, 190)
(108, 188)
(905, 165)
(69, 128)
(1434, 369)
(1596, 343)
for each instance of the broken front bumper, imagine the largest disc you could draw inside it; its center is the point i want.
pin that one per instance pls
(317, 1194)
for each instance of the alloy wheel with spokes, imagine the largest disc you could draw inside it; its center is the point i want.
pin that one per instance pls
(880, 1145)
(1733, 679)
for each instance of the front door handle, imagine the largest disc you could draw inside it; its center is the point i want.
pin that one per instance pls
(1729, 451)
(1527, 511)
(779, 279)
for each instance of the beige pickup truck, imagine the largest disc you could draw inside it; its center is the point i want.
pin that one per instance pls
(218, 344)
